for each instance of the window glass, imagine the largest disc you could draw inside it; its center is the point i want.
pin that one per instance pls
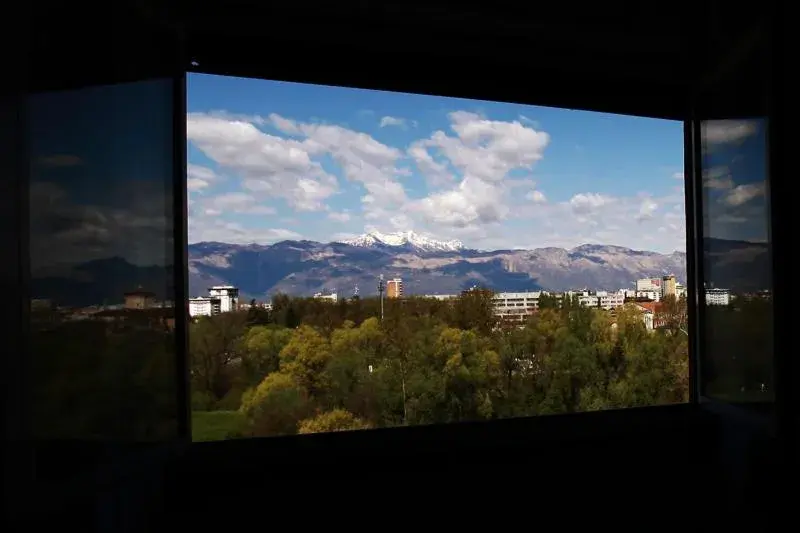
(363, 259)
(736, 362)
(101, 262)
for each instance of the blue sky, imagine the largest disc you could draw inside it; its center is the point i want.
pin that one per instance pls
(275, 160)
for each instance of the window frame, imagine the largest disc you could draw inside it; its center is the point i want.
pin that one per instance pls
(693, 215)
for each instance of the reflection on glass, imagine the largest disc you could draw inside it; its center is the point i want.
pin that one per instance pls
(102, 313)
(363, 259)
(737, 359)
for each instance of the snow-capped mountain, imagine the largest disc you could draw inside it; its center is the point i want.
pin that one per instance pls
(405, 238)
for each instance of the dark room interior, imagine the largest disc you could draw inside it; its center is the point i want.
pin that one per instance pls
(720, 460)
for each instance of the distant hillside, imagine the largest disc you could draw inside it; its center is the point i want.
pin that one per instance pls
(427, 267)
(306, 267)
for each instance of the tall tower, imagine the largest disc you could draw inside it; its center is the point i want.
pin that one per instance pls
(668, 286)
(394, 288)
(380, 293)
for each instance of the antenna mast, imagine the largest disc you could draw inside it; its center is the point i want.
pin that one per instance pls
(380, 293)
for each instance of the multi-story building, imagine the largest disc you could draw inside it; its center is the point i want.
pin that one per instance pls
(441, 297)
(680, 291)
(394, 288)
(649, 295)
(332, 297)
(204, 306)
(718, 297)
(139, 299)
(228, 297)
(515, 305)
(669, 286)
(648, 284)
(610, 300)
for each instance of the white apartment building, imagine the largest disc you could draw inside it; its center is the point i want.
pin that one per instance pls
(203, 306)
(228, 297)
(648, 284)
(610, 300)
(680, 291)
(332, 298)
(650, 295)
(441, 297)
(718, 296)
(647, 317)
(515, 305)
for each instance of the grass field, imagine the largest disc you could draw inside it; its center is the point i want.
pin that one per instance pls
(215, 425)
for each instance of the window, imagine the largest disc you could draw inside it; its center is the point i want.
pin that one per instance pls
(102, 264)
(363, 259)
(737, 265)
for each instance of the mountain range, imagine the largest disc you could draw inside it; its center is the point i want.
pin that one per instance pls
(427, 266)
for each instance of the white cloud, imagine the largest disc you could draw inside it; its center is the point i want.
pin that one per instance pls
(339, 217)
(479, 174)
(221, 230)
(392, 121)
(130, 222)
(646, 209)
(588, 203)
(272, 167)
(199, 177)
(537, 197)
(717, 178)
(239, 203)
(716, 132)
(743, 193)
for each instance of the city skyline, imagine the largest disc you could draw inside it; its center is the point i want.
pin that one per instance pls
(271, 161)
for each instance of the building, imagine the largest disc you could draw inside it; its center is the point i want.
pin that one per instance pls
(228, 297)
(333, 297)
(394, 288)
(515, 305)
(655, 296)
(669, 286)
(680, 291)
(718, 297)
(204, 306)
(648, 285)
(648, 316)
(441, 297)
(610, 300)
(139, 299)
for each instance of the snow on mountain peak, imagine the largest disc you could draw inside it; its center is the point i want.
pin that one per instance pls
(405, 238)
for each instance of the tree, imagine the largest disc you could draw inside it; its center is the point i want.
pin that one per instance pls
(305, 357)
(275, 406)
(261, 348)
(474, 309)
(256, 315)
(336, 420)
(214, 344)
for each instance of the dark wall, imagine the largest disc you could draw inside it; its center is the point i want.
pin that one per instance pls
(666, 464)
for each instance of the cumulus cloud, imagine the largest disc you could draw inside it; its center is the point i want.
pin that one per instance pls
(478, 176)
(743, 193)
(589, 203)
(537, 197)
(392, 121)
(132, 223)
(339, 216)
(718, 132)
(271, 166)
(220, 230)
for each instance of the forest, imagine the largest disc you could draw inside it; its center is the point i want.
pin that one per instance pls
(313, 366)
